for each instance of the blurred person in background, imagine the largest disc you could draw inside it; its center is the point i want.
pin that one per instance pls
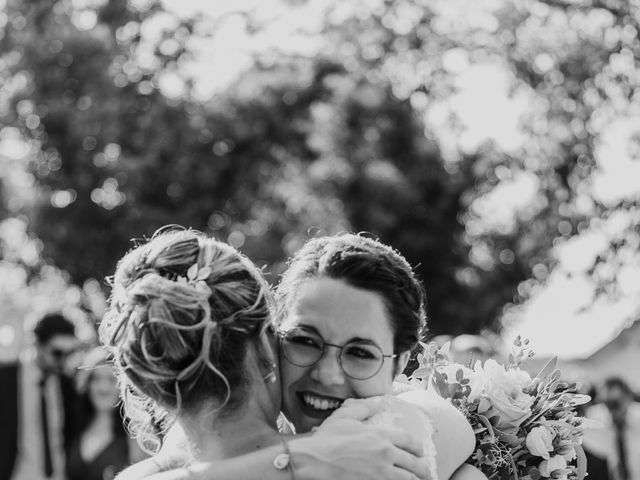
(597, 466)
(615, 434)
(467, 349)
(8, 419)
(38, 405)
(440, 340)
(101, 447)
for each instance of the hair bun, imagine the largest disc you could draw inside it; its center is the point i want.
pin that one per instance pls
(183, 311)
(169, 321)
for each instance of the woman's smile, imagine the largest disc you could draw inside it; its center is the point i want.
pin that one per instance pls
(315, 404)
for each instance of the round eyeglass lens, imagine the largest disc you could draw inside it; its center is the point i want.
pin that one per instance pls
(358, 360)
(361, 360)
(302, 347)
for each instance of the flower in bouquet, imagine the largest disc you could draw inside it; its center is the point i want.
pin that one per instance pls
(526, 428)
(504, 395)
(539, 441)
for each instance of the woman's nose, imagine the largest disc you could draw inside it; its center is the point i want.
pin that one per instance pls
(327, 370)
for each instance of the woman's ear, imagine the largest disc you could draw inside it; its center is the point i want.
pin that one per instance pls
(401, 362)
(268, 347)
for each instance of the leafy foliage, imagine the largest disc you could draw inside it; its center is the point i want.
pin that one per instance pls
(525, 428)
(298, 146)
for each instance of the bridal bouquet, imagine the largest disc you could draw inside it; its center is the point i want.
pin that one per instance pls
(526, 428)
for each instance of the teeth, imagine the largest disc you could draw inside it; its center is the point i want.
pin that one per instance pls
(321, 403)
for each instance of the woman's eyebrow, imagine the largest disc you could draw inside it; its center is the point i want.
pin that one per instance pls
(313, 329)
(365, 340)
(308, 327)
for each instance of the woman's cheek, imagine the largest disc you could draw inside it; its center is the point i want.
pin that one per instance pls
(380, 384)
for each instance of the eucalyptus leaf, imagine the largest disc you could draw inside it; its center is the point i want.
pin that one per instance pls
(547, 369)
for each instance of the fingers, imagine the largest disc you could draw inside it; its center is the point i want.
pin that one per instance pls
(399, 474)
(412, 466)
(404, 454)
(359, 409)
(394, 473)
(404, 475)
(403, 440)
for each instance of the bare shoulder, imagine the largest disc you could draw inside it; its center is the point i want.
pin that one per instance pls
(139, 470)
(468, 472)
(442, 414)
(452, 434)
(426, 399)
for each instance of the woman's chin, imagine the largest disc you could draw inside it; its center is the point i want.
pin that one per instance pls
(306, 410)
(308, 418)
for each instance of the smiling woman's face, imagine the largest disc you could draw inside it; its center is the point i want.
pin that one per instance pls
(338, 313)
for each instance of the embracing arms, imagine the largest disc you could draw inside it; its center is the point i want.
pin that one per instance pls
(346, 448)
(342, 448)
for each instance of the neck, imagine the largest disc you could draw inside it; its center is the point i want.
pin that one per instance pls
(212, 437)
(251, 426)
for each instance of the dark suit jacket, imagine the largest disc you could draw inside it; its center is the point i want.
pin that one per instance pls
(597, 467)
(71, 405)
(9, 414)
(8, 418)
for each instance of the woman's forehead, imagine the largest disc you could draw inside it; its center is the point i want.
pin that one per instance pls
(339, 311)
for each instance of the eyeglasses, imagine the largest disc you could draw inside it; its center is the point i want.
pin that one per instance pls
(359, 359)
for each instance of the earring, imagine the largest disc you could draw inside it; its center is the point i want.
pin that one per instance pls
(270, 377)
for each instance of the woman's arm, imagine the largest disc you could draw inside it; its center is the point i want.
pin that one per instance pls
(247, 466)
(451, 434)
(343, 449)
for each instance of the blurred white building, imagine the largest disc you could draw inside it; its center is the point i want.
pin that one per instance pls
(620, 357)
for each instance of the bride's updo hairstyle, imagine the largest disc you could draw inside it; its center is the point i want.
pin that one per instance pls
(364, 263)
(184, 308)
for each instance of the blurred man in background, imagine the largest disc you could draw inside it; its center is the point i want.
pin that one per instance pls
(38, 405)
(616, 435)
(467, 349)
(597, 466)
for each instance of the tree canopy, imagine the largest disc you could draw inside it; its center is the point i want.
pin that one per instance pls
(300, 145)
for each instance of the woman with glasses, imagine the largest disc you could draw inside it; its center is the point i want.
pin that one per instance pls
(350, 312)
(190, 330)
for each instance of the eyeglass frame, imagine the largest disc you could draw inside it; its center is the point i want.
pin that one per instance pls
(281, 334)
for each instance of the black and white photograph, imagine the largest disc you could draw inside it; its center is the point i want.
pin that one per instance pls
(319, 240)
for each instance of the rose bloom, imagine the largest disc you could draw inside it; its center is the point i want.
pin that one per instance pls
(539, 442)
(503, 388)
(547, 467)
(566, 448)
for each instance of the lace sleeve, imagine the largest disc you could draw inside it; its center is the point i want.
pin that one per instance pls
(400, 414)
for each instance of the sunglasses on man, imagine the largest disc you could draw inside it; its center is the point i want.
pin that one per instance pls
(61, 353)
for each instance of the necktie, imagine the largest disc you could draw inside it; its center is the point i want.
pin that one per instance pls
(48, 463)
(623, 469)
